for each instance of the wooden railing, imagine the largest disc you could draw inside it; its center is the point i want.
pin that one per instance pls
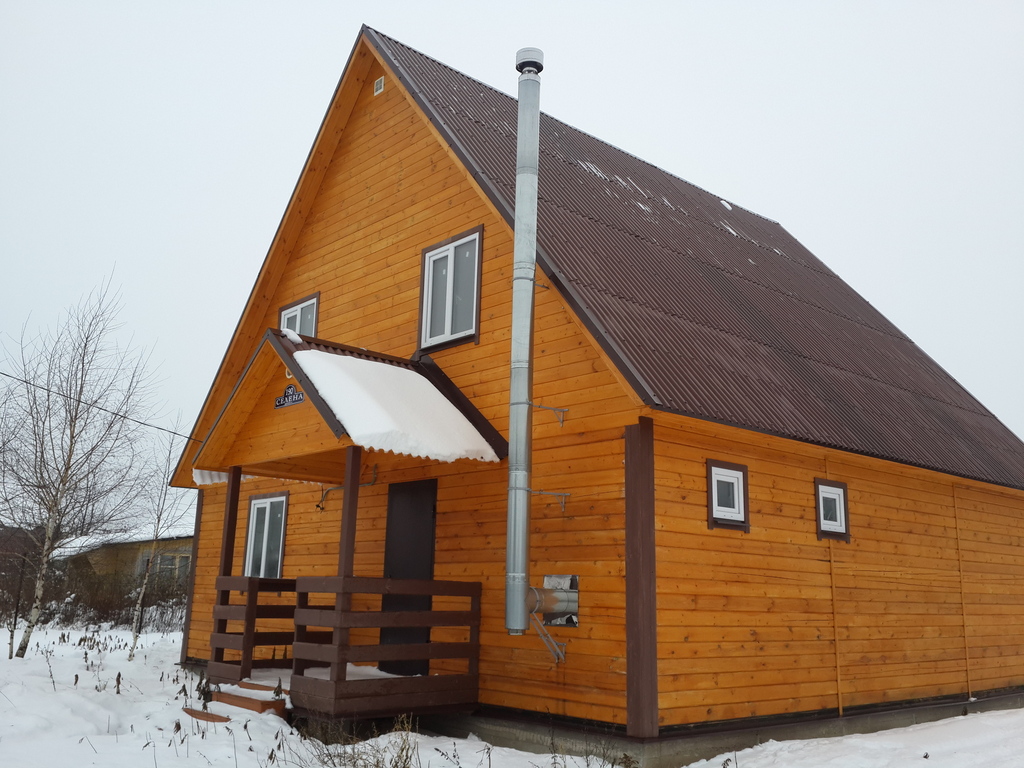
(240, 627)
(342, 619)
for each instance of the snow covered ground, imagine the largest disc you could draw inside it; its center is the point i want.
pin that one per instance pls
(63, 705)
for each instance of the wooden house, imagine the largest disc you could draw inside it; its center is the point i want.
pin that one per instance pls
(773, 504)
(126, 561)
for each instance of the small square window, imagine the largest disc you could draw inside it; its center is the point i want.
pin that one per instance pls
(727, 495)
(832, 511)
(301, 315)
(265, 539)
(451, 290)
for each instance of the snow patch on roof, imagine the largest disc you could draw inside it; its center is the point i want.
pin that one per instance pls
(207, 477)
(291, 335)
(592, 168)
(389, 408)
(210, 477)
(727, 206)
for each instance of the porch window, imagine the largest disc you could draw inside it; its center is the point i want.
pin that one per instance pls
(300, 316)
(727, 495)
(833, 515)
(451, 289)
(266, 536)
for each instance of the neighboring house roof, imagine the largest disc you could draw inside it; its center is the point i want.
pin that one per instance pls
(15, 541)
(135, 542)
(710, 310)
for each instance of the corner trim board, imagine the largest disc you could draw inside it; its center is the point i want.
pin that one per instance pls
(641, 575)
(191, 578)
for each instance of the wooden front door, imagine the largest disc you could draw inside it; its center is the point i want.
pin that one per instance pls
(409, 554)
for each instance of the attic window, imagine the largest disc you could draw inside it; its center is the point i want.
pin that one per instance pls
(451, 289)
(727, 496)
(301, 316)
(378, 86)
(832, 512)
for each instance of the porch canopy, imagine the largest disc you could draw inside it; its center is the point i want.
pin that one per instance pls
(301, 401)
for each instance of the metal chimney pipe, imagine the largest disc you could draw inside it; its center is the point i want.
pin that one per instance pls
(529, 62)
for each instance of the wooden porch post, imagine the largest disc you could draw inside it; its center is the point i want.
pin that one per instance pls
(346, 555)
(349, 505)
(227, 546)
(227, 551)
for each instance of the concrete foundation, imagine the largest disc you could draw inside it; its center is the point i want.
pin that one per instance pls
(680, 749)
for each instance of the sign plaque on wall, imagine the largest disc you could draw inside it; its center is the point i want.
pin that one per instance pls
(291, 396)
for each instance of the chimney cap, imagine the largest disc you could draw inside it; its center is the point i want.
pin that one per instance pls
(530, 58)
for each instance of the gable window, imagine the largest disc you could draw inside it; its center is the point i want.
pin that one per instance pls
(727, 495)
(833, 514)
(300, 316)
(265, 543)
(451, 289)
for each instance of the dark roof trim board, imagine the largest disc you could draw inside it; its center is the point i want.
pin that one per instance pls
(709, 310)
(286, 349)
(436, 376)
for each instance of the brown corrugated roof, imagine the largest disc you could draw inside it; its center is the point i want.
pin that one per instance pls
(709, 309)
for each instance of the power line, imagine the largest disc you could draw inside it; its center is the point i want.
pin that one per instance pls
(98, 407)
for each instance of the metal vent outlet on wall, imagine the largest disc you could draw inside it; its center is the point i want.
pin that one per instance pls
(569, 617)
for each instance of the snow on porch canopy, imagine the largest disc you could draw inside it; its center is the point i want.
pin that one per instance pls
(390, 408)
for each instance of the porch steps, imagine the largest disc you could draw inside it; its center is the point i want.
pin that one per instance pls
(256, 704)
(241, 701)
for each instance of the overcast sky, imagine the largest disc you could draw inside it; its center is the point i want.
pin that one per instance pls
(158, 142)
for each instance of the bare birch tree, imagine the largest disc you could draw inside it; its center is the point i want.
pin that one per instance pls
(163, 510)
(15, 549)
(70, 470)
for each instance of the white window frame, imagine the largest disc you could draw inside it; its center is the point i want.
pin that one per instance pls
(255, 504)
(833, 490)
(295, 311)
(719, 515)
(430, 256)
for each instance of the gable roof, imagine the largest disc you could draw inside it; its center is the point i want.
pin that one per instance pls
(378, 401)
(710, 310)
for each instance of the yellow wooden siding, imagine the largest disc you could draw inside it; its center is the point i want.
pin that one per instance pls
(389, 192)
(991, 541)
(252, 429)
(775, 621)
(586, 540)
